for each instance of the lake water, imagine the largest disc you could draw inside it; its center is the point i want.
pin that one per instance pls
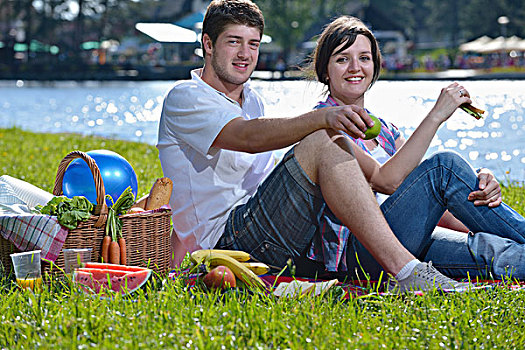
(131, 110)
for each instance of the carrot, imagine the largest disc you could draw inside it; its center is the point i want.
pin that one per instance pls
(114, 225)
(122, 245)
(114, 253)
(105, 248)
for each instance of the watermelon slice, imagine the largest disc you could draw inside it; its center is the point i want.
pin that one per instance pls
(95, 265)
(95, 280)
(100, 274)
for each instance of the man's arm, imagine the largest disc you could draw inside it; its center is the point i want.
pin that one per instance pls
(269, 133)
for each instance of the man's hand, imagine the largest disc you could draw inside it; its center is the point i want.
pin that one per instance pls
(351, 119)
(489, 192)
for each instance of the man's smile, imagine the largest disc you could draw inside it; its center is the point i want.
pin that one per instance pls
(241, 65)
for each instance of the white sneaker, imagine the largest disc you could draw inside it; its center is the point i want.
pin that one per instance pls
(425, 277)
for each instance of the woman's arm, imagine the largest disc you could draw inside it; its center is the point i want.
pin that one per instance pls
(451, 222)
(386, 178)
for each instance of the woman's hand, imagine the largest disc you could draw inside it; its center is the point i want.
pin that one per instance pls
(449, 100)
(489, 192)
(351, 119)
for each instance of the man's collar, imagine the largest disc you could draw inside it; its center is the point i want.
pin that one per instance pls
(196, 74)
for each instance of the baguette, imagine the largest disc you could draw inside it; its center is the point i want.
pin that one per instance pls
(159, 194)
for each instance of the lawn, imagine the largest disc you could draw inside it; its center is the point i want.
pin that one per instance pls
(165, 314)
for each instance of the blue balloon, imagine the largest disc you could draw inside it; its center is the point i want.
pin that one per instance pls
(115, 170)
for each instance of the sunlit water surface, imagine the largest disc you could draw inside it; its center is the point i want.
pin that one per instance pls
(131, 110)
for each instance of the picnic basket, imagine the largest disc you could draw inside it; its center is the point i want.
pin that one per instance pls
(147, 234)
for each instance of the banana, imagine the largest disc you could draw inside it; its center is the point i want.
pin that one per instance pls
(199, 255)
(258, 268)
(240, 271)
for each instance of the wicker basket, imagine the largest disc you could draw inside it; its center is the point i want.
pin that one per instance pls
(147, 235)
(6, 248)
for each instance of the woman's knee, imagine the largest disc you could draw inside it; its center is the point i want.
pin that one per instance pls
(449, 159)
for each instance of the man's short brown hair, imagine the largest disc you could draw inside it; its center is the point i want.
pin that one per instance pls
(221, 13)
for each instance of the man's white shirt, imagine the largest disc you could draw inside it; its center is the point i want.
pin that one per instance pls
(207, 182)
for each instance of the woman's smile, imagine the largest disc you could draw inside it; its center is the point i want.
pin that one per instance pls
(350, 71)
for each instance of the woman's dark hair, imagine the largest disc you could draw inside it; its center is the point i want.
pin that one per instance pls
(221, 13)
(342, 30)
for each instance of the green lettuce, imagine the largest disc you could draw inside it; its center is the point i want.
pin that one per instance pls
(69, 211)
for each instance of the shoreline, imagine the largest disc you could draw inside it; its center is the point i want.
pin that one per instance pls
(451, 74)
(178, 73)
(458, 74)
(504, 180)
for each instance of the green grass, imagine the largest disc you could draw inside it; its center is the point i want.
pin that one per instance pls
(165, 315)
(35, 157)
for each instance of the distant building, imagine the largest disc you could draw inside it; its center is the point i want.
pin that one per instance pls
(169, 10)
(389, 33)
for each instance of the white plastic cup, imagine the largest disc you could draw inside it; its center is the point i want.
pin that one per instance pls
(74, 258)
(27, 269)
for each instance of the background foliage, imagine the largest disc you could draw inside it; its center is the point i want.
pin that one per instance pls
(458, 20)
(289, 21)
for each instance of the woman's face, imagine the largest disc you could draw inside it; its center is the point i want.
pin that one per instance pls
(351, 71)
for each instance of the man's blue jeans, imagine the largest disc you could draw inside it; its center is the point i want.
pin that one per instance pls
(495, 248)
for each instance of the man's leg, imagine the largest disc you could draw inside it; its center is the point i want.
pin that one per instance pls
(279, 222)
(178, 251)
(328, 160)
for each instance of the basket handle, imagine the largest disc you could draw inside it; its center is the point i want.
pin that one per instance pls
(101, 208)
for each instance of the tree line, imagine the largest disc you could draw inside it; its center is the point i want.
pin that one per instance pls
(448, 21)
(68, 23)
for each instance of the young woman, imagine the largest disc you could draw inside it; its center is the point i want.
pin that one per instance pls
(443, 189)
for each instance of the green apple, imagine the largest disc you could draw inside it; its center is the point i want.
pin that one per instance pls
(373, 131)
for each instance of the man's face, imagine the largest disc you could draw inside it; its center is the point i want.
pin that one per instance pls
(234, 56)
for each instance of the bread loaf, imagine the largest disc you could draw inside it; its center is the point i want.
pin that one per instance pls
(159, 194)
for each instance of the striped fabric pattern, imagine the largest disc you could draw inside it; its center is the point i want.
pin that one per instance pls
(34, 232)
(330, 246)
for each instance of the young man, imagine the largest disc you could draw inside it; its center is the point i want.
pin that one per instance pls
(215, 144)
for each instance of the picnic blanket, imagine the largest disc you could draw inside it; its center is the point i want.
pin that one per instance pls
(347, 289)
(19, 225)
(33, 232)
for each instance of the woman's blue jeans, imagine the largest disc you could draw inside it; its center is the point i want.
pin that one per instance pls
(495, 246)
